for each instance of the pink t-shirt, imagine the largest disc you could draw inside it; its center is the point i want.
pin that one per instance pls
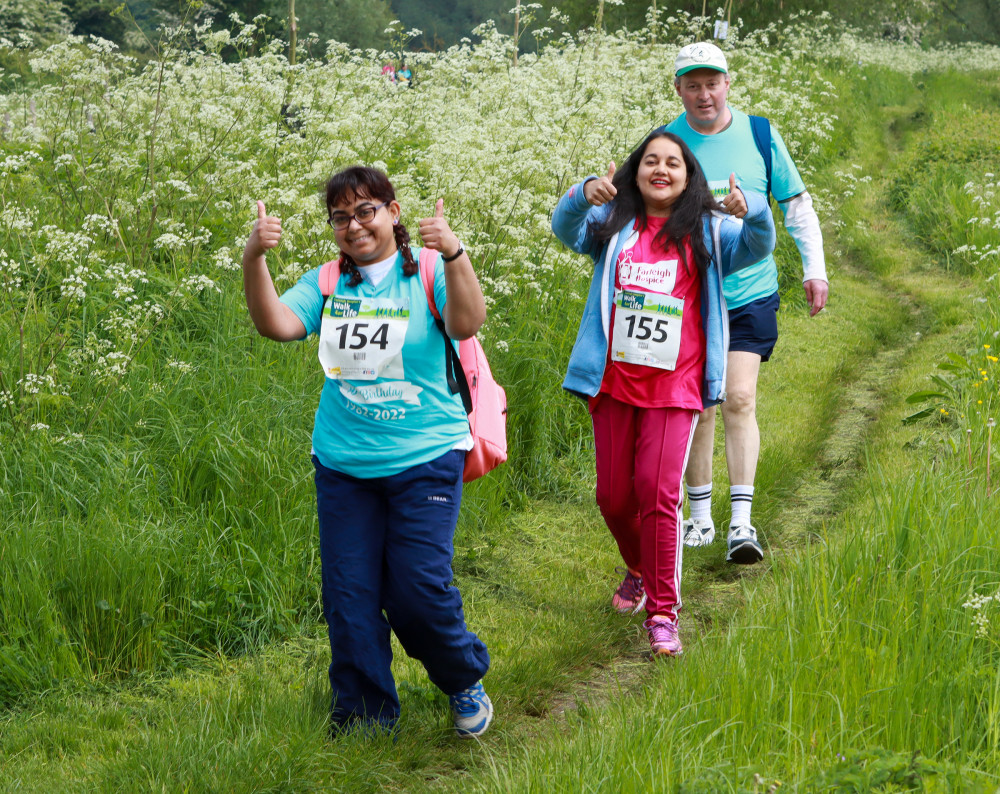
(651, 387)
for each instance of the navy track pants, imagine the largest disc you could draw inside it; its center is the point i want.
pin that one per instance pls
(386, 545)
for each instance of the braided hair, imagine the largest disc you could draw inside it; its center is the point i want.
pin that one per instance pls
(371, 184)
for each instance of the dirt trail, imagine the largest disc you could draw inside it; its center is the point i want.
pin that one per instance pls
(814, 502)
(819, 492)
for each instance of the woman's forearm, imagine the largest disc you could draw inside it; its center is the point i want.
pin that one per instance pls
(270, 316)
(465, 307)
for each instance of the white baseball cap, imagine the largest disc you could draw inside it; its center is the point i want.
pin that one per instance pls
(700, 55)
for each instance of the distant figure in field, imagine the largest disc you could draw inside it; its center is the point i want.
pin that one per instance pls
(727, 141)
(389, 72)
(650, 352)
(405, 75)
(389, 445)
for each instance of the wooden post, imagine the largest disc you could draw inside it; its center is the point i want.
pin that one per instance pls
(599, 24)
(517, 28)
(655, 22)
(293, 31)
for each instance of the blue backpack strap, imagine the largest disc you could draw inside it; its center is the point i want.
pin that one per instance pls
(761, 129)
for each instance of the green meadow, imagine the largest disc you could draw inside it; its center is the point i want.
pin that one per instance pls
(160, 620)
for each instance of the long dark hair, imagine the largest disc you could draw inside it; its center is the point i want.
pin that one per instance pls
(685, 216)
(371, 184)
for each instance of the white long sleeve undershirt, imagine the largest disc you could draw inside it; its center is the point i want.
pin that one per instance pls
(802, 224)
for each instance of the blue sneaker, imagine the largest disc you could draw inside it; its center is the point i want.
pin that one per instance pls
(472, 710)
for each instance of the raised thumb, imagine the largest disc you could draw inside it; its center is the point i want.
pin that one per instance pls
(732, 182)
(439, 208)
(261, 212)
(611, 170)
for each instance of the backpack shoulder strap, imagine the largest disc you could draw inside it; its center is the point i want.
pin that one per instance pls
(454, 372)
(428, 259)
(761, 129)
(329, 275)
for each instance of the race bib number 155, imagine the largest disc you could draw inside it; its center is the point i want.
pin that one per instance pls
(647, 329)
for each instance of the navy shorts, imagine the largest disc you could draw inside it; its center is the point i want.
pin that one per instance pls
(753, 327)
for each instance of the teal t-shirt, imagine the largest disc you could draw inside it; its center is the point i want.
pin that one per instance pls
(406, 415)
(733, 151)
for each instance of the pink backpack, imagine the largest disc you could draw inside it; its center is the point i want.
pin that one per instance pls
(468, 374)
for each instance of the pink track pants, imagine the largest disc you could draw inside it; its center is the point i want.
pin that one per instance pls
(641, 457)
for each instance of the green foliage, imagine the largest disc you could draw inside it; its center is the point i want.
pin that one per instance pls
(158, 571)
(96, 18)
(444, 23)
(969, 20)
(880, 770)
(358, 23)
(40, 22)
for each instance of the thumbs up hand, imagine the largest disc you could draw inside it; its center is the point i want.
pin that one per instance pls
(735, 203)
(266, 233)
(436, 233)
(602, 190)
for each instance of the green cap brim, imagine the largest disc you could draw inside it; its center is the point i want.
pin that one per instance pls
(687, 69)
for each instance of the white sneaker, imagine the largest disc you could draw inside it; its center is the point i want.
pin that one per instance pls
(698, 531)
(742, 545)
(472, 711)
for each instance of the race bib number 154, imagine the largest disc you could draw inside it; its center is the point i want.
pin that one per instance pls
(362, 338)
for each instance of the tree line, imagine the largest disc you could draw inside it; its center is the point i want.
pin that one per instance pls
(363, 23)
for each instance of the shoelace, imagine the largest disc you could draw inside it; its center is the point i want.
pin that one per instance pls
(631, 586)
(664, 631)
(465, 701)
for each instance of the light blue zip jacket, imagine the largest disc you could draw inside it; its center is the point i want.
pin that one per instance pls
(733, 245)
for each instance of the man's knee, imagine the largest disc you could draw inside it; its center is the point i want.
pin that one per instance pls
(740, 403)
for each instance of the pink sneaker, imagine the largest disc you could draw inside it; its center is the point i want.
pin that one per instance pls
(630, 596)
(663, 637)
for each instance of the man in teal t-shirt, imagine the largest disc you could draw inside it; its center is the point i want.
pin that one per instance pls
(722, 139)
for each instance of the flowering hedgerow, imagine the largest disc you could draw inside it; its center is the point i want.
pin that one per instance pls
(127, 190)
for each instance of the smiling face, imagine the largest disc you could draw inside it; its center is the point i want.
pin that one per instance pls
(366, 243)
(703, 93)
(662, 176)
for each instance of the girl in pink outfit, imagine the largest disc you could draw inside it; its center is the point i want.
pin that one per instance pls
(650, 352)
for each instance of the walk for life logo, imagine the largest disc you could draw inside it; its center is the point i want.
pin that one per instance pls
(345, 307)
(633, 300)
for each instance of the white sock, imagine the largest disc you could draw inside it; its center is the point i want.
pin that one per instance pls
(741, 497)
(700, 501)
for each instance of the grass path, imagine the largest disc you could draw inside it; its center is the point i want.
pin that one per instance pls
(539, 595)
(816, 461)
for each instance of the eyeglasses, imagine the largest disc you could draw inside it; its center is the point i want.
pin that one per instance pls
(365, 214)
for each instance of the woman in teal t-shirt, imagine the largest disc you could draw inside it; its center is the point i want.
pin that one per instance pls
(389, 446)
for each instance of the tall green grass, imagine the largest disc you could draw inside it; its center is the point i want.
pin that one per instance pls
(160, 622)
(861, 641)
(866, 660)
(155, 500)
